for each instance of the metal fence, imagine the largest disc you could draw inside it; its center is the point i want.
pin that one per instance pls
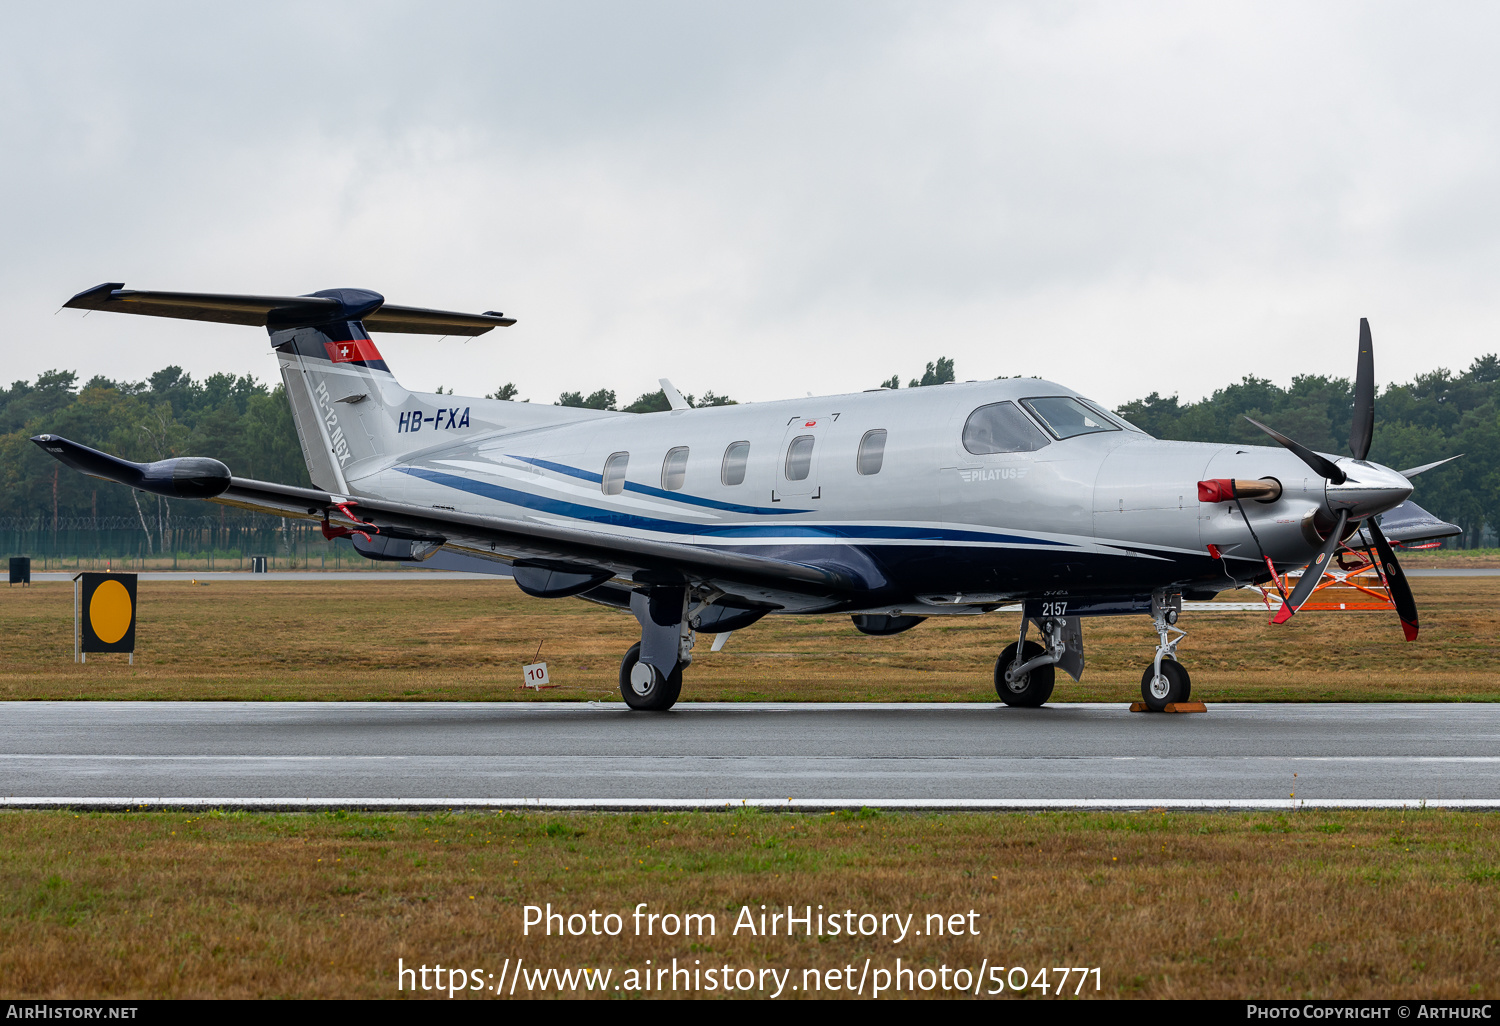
(213, 542)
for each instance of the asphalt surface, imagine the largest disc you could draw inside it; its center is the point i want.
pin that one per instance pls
(290, 755)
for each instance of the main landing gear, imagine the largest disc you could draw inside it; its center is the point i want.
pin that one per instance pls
(1025, 671)
(643, 686)
(1166, 680)
(651, 672)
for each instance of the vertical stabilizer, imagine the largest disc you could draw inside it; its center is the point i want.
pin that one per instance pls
(341, 393)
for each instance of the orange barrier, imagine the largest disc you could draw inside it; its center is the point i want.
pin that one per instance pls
(1346, 586)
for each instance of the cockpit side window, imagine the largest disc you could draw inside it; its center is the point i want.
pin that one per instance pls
(1066, 417)
(1111, 416)
(1000, 427)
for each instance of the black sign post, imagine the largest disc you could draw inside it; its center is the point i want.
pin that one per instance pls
(20, 570)
(103, 614)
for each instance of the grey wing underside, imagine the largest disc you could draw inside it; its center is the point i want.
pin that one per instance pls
(1409, 523)
(507, 540)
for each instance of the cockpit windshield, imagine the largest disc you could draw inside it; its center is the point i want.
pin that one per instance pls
(1066, 417)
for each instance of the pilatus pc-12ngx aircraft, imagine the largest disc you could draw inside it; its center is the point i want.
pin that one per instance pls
(890, 506)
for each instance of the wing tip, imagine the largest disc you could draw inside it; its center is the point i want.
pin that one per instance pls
(94, 298)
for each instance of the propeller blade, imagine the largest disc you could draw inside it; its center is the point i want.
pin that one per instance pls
(1313, 572)
(1424, 468)
(1322, 467)
(1362, 429)
(1395, 581)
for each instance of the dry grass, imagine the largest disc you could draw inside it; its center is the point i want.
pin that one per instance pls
(1451, 559)
(1308, 904)
(449, 640)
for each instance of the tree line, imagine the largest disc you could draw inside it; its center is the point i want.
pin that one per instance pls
(248, 425)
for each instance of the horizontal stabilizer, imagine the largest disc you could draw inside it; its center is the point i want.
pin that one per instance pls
(279, 312)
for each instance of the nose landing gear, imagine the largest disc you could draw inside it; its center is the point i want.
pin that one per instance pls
(1166, 681)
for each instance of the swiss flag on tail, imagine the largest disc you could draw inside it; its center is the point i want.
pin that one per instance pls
(359, 350)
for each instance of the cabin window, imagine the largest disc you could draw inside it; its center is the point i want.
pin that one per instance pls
(613, 481)
(799, 458)
(1000, 427)
(735, 458)
(1066, 417)
(871, 452)
(674, 468)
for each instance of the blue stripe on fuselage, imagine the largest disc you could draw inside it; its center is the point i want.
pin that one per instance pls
(656, 493)
(613, 518)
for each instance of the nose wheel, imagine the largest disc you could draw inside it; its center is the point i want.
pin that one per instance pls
(1161, 687)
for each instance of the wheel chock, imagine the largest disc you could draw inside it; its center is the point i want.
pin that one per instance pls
(1172, 707)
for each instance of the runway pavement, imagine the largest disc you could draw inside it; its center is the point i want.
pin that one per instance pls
(419, 755)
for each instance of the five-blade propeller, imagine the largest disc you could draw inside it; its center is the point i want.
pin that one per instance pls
(1361, 434)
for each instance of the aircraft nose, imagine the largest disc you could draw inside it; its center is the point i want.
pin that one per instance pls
(1369, 489)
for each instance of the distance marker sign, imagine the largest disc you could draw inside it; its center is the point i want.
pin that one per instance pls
(105, 612)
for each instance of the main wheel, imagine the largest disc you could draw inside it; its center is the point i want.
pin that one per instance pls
(1032, 689)
(1174, 685)
(642, 685)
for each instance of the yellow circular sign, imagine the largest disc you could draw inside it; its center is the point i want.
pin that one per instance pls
(109, 612)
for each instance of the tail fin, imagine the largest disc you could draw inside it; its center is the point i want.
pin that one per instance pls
(339, 388)
(353, 417)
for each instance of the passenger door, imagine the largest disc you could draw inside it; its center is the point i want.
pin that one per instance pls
(797, 459)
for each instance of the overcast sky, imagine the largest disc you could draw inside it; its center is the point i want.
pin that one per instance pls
(765, 199)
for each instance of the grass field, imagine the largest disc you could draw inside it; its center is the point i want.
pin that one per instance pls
(466, 640)
(1358, 905)
(1306, 904)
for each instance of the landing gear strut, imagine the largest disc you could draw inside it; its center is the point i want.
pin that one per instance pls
(651, 672)
(1025, 671)
(1166, 680)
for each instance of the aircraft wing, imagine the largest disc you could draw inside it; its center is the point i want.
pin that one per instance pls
(196, 477)
(1409, 523)
(528, 539)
